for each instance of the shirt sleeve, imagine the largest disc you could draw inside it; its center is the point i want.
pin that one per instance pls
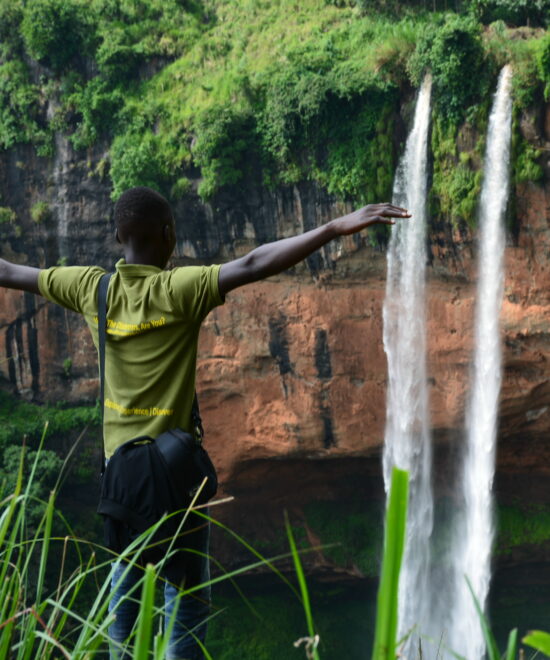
(73, 287)
(194, 290)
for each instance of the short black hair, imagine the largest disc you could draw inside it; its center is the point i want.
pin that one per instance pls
(142, 205)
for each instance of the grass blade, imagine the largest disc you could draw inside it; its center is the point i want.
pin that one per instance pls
(145, 616)
(7, 515)
(303, 585)
(492, 648)
(394, 542)
(512, 647)
(45, 546)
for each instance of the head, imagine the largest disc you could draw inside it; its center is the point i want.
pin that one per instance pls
(145, 226)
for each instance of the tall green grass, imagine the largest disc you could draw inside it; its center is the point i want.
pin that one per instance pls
(52, 606)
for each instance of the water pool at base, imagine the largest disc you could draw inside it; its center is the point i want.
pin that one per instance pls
(344, 614)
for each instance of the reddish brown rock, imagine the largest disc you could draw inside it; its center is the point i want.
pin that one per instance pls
(292, 371)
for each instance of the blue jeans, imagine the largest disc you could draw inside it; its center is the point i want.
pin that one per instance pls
(191, 616)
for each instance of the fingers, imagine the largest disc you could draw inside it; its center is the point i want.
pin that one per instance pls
(390, 210)
(395, 211)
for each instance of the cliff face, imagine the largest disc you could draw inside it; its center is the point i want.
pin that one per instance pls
(292, 371)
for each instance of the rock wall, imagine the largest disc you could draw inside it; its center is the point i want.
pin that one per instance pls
(292, 371)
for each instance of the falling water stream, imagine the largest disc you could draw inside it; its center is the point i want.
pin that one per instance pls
(407, 435)
(473, 532)
(435, 603)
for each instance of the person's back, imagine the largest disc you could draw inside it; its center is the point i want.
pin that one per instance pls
(153, 323)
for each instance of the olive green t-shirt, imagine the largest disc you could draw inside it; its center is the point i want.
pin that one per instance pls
(153, 322)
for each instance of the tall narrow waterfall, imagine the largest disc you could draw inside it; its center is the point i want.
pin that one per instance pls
(473, 533)
(407, 436)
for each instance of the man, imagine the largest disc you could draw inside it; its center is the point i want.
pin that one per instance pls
(153, 322)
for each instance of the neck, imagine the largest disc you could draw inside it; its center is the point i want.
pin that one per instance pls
(145, 257)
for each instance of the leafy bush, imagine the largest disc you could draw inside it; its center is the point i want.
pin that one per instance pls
(11, 15)
(525, 165)
(542, 59)
(136, 160)
(130, 36)
(180, 189)
(56, 31)
(47, 471)
(19, 106)
(456, 184)
(356, 136)
(97, 106)
(26, 419)
(293, 95)
(40, 212)
(454, 54)
(222, 141)
(118, 59)
(529, 58)
(7, 215)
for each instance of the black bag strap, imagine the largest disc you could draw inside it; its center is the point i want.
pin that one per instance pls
(198, 430)
(102, 332)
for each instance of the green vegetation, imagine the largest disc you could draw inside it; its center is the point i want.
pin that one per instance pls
(542, 58)
(455, 56)
(538, 640)
(516, 12)
(521, 526)
(350, 540)
(290, 91)
(52, 605)
(47, 466)
(56, 591)
(228, 104)
(7, 215)
(526, 165)
(67, 367)
(354, 540)
(40, 212)
(56, 32)
(19, 106)
(456, 183)
(26, 420)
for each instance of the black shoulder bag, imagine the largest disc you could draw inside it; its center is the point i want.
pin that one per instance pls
(148, 477)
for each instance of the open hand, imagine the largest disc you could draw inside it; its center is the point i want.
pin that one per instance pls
(372, 214)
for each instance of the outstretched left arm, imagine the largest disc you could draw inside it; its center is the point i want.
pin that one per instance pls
(273, 258)
(14, 276)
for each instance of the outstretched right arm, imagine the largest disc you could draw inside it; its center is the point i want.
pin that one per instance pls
(273, 258)
(14, 276)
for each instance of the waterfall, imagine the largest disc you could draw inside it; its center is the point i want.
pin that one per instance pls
(407, 436)
(61, 165)
(473, 533)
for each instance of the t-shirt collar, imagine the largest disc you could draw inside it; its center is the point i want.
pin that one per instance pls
(135, 270)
